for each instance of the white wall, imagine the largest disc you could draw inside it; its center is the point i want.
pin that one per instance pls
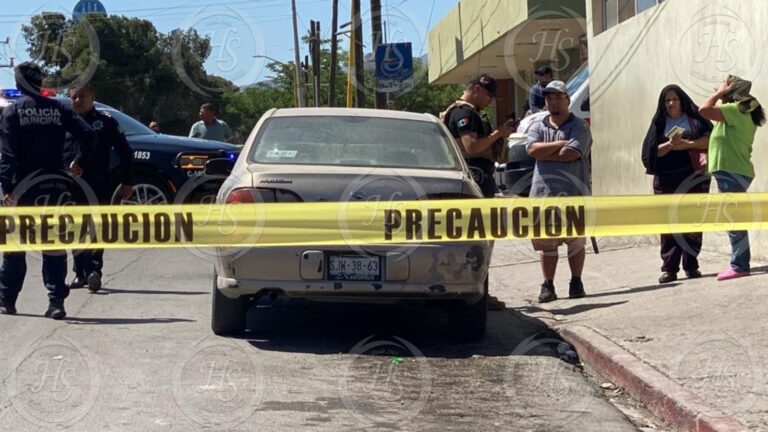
(694, 44)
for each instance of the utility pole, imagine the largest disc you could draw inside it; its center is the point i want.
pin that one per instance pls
(357, 38)
(314, 50)
(7, 41)
(334, 55)
(300, 89)
(380, 100)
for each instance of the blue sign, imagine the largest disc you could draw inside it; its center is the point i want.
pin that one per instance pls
(394, 67)
(87, 6)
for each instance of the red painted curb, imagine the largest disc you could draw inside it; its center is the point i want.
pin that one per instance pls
(678, 406)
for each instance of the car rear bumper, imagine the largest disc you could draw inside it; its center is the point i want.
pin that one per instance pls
(423, 272)
(355, 292)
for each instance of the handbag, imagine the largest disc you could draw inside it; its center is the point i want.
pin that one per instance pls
(698, 156)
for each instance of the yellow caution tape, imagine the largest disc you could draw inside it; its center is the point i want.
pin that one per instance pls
(360, 223)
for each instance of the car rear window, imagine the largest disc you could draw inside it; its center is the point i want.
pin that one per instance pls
(129, 125)
(355, 141)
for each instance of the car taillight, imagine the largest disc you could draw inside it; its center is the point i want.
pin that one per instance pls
(588, 120)
(261, 195)
(46, 92)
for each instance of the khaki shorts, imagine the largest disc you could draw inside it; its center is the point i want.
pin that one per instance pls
(550, 245)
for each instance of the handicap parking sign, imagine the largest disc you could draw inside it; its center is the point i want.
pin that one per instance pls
(394, 67)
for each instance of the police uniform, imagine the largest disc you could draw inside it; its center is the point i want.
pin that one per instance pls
(464, 119)
(97, 174)
(32, 131)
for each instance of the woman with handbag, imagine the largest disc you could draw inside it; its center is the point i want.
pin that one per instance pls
(736, 121)
(674, 152)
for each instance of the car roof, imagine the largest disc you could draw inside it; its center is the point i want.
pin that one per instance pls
(355, 112)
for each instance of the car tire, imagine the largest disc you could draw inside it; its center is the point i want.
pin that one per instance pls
(228, 316)
(468, 321)
(148, 190)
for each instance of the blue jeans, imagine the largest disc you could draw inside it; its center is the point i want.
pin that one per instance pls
(740, 255)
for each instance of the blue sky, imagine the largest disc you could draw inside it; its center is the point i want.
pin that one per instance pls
(239, 29)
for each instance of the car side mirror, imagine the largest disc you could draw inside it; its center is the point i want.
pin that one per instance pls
(219, 167)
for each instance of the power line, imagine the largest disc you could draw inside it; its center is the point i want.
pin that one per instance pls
(277, 3)
(429, 23)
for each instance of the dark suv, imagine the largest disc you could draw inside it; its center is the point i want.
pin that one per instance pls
(166, 168)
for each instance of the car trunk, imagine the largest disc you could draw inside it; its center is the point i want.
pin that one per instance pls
(309, 183)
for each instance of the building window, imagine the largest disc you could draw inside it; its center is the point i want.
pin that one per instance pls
(611, 13)
(618, 11)
(642, 5)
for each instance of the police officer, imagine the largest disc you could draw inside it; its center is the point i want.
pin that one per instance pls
(97, 174)
(32, 133)
(476, 139)
(474, 135)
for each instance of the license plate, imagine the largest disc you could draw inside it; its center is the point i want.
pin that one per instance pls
(354, 268)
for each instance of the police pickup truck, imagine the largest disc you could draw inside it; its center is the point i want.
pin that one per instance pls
(166, 168)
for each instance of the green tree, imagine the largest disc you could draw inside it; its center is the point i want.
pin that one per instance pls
(132, 66)
(248, 105)
(425, 98)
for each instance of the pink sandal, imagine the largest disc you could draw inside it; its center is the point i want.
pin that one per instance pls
(730, 274)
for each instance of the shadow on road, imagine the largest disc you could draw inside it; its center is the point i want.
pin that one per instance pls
(329, 329)
(634, 290)
(118, 321)
(109, 291)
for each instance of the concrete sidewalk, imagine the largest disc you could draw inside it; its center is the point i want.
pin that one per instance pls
(706, 335)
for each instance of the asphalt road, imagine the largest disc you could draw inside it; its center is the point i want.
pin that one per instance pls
(139, 356)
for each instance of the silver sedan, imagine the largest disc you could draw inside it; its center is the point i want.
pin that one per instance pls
(343, 155)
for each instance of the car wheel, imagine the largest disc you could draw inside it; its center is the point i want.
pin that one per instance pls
(228, 316)
(147, 190)
(468, 321)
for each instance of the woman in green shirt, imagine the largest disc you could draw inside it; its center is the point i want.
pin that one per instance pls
(730, 154)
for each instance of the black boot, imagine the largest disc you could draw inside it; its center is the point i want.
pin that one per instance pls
(78, 283)
(7, 308)
(94, 282)
(56, 310)
(668, 277)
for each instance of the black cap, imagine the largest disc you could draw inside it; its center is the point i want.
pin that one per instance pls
(485, 81)
(29, 77)
(543, 70)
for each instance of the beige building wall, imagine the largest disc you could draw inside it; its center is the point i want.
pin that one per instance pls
(694, 44)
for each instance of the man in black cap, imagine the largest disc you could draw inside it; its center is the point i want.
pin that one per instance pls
(31, 172)
(477, 142)
(473, 133)
(536, 101)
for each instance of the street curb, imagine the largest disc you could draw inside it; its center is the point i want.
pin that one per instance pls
(668, 400)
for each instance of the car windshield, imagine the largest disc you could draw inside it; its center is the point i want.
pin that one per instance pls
(355, 141)
(577, 79)
(128, 124)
